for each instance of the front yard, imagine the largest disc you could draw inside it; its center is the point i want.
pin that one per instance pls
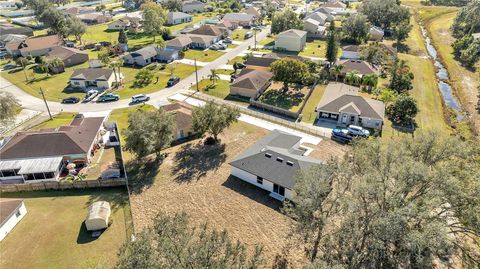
(203, 55)
(290, 100)
(52, 233)
(239, 34)
(221, 89)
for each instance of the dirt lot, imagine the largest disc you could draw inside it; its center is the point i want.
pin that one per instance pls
(196, 179)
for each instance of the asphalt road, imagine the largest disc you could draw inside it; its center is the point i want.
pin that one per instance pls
(161, 95)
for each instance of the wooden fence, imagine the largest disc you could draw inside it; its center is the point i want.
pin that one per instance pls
(64, 185)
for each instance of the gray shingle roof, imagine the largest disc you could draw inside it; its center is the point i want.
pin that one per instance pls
(278, 145)
(177, 15)
(362, 67)
(252, 79)
(238, 17)
(91, 74)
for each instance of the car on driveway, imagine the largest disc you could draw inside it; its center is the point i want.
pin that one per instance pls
(71, 100)
(108, 97)
(355, 130)
(228, 40)
(90, 95)
(140, 98)
(172, 81)
(239, 65)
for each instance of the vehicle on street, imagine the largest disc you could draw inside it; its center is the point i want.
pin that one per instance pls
(140, 98)
(90, 95)
(71, 100)
(172, 81)
(248, 35)
(108, 97)
(355, 130)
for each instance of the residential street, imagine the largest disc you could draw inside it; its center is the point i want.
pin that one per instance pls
(35, 103)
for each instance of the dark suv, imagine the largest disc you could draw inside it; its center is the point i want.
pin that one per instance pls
(172, 81)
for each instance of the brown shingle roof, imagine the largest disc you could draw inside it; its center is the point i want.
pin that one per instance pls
(63, 53)
(361, 67)
(91, 74)
(183, 114)
(180, 41)
(252, 79)
(210, 30)
(36, 43)
(260, 61)
(8, 206)
(48, 143)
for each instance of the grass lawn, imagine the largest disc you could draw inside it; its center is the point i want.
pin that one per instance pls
(52, 233)
(239, 34)
(54, 86)
(238, 59)
(121, 116)
(203, 55)
(268, 41)
(61, 119)
(181, 71)
(315, 48)
(291, 100)
(308, 112)
(221, 89)
(225, 71)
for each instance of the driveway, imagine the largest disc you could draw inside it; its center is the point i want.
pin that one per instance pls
(37, 104)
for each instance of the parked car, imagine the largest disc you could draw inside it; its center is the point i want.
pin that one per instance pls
(9, 67)
(109, 97)
(140, 98)
(355, 130)
(71, 100)
(214, 47)
(247, 27)
(172, 81)
(90, 95)
(228, 40)
(248, 35)
(256, 28)
(239, 65)
(341, 135)
(110, 173)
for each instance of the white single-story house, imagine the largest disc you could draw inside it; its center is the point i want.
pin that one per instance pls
(272, 164)
(150, 54)
(251, 83)
(342, 104)
(99, 78)
(34, 46)
(174, 18)
(35, 156)
(193, 6)
(11, 212)
(291, 40)
(351, 52)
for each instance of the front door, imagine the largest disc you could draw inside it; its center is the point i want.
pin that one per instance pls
(344, 118)
(278, 189)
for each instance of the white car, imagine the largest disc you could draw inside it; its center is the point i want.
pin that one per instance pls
(90, 95)
(111, 173)
(355, 130)
(140, 98)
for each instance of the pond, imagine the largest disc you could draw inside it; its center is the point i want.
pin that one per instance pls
(442, 75)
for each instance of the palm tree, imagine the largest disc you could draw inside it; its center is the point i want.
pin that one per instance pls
(56, 63)
(337, 71)
(352, 78)
(160, 43)
(23, 62)
(213, 76)
(114, 65)
(370, 81)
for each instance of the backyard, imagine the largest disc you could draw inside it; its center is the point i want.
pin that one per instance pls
(203, 55)
(290, 100)
(314, 48)
(52, 233)
(309, 114)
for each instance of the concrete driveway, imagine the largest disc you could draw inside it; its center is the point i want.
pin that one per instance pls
(37, 104)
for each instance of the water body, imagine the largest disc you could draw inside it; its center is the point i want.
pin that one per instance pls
(442, 75)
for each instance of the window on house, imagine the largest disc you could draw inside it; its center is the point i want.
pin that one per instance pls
(268, 155)
(289, 163)
(18, 214)
(279, 189)
(279, 159)
(260, 180)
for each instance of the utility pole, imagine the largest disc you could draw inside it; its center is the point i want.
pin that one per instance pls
(46, 104)
(255, 39)
(196, 73)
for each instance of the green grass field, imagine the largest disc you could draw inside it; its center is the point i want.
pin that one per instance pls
(61, 119)
(308, 112)
(239, 34)
(52, 233)
(121, 116)
(315, 48)
(221, 89)
(203, 55)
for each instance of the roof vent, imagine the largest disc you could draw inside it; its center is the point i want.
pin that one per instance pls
(279, 159)
(268, 155)
(289, 163)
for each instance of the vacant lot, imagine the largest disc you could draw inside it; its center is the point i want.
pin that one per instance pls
(309, 114)
(220, 89)
(196, 179)
(52, 234)
(290, 100)
(314, 48)
(203, 55)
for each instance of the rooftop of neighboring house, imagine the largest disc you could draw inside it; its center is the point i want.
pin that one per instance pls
(201, 38)
(210, 30)
(259, 61)
(9, 207)
(274, 55)
(36, 43)
(92, 16)
(276, 158)
(146, 52)
(292, 33)
(361, 67)
(317, 16)
(239, 17)
(376, 30)
(173, 15)
(179, 41)
(476, 35)
(12, 38)
(253, 11)
(63, 53)
(340, 97)
(252, 79)
(92, 74)
(334, 4)
(183, 114)
(75, 138)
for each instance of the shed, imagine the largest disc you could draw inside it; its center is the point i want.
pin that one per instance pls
(98, 215)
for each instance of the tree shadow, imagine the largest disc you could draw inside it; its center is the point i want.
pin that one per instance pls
(404, 48)
(194, 160)
(141, 174)
(84, 236)
(252, 192)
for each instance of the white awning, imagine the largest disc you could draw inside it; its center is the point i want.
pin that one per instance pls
(30, 166)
